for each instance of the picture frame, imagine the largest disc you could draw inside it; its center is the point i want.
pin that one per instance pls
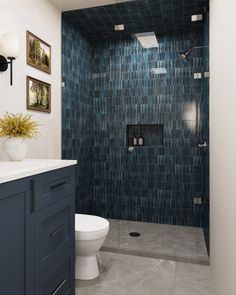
(38, 53)
(38, 95)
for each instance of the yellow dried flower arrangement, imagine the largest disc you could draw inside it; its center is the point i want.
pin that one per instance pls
(18, 125)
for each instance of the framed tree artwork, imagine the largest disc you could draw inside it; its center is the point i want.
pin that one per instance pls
(38, 95)
(38, 53)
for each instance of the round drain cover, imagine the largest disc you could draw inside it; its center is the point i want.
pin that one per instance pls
(134, 234)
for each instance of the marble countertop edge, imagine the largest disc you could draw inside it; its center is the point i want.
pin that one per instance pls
(14, 170)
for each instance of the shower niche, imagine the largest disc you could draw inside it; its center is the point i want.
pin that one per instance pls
(144, 135)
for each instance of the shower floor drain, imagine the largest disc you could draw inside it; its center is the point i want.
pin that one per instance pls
(135, 234)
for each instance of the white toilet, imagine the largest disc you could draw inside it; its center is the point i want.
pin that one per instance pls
(90, 234)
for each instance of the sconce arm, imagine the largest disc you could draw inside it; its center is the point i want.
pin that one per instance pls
(4, 65)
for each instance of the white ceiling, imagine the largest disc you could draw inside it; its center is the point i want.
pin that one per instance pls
(80, 4)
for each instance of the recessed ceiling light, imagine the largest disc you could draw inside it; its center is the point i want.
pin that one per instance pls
(120, 27)
(197, 17)
(147, 40)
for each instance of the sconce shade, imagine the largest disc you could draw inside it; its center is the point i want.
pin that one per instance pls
(10, 46)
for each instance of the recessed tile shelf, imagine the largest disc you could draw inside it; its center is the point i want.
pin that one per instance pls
(152, 134)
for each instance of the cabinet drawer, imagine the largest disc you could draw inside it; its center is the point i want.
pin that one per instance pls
(59, 279)
(52, 186)
(54, 231)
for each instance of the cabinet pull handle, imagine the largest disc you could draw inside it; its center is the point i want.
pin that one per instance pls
(57, 185)
(32, 196)
(59, 229)
(59, 287)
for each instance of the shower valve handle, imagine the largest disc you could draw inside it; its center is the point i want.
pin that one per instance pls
(202, 145)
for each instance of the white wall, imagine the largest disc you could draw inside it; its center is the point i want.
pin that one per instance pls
(223, 144)
(44, 20)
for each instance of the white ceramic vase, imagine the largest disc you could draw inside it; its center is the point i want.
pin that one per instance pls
(16, 148)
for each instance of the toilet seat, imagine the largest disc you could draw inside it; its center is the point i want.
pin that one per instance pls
(90, 227)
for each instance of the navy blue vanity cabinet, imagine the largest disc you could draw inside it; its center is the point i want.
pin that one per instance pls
(16, 242)
(37, 247)
(54, 207)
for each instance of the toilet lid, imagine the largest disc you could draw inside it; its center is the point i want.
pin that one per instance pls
(90, 223)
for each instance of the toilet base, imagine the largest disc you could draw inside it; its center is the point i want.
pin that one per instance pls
(86, 268)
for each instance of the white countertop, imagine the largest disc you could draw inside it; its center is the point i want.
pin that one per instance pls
(12, 170)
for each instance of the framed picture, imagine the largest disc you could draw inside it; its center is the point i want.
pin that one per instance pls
(38, 95)
(38, 53)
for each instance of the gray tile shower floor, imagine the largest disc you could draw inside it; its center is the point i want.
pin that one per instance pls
(177, 243)
(123, 274)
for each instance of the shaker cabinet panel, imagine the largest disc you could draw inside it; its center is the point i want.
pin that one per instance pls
(52, 186)
(59, 279)
(16, 239)
(54, 231)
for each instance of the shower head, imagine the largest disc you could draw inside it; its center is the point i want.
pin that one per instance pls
(184, 54)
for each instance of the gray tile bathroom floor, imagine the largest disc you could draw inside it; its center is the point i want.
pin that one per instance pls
(123, 274)
(177, 243)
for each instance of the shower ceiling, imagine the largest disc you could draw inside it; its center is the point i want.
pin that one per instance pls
(160, 16)
(66, 5)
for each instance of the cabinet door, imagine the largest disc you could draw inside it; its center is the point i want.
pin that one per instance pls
(16, 239)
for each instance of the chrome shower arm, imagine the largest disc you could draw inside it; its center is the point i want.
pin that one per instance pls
(195, 47)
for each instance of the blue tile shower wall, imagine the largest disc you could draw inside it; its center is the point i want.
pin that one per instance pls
(109, 86)
(155, 183)
(77, 110)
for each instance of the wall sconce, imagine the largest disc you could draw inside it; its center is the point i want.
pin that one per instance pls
(9, 50)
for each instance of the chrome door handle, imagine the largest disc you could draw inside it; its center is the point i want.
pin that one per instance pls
(202, 145)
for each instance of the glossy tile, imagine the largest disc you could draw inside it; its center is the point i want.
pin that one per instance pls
(161, 16)
(109, 85)
(154, 183)
(77, 124)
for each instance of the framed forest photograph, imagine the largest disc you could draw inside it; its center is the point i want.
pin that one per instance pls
(38, 95)
(38, 53)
